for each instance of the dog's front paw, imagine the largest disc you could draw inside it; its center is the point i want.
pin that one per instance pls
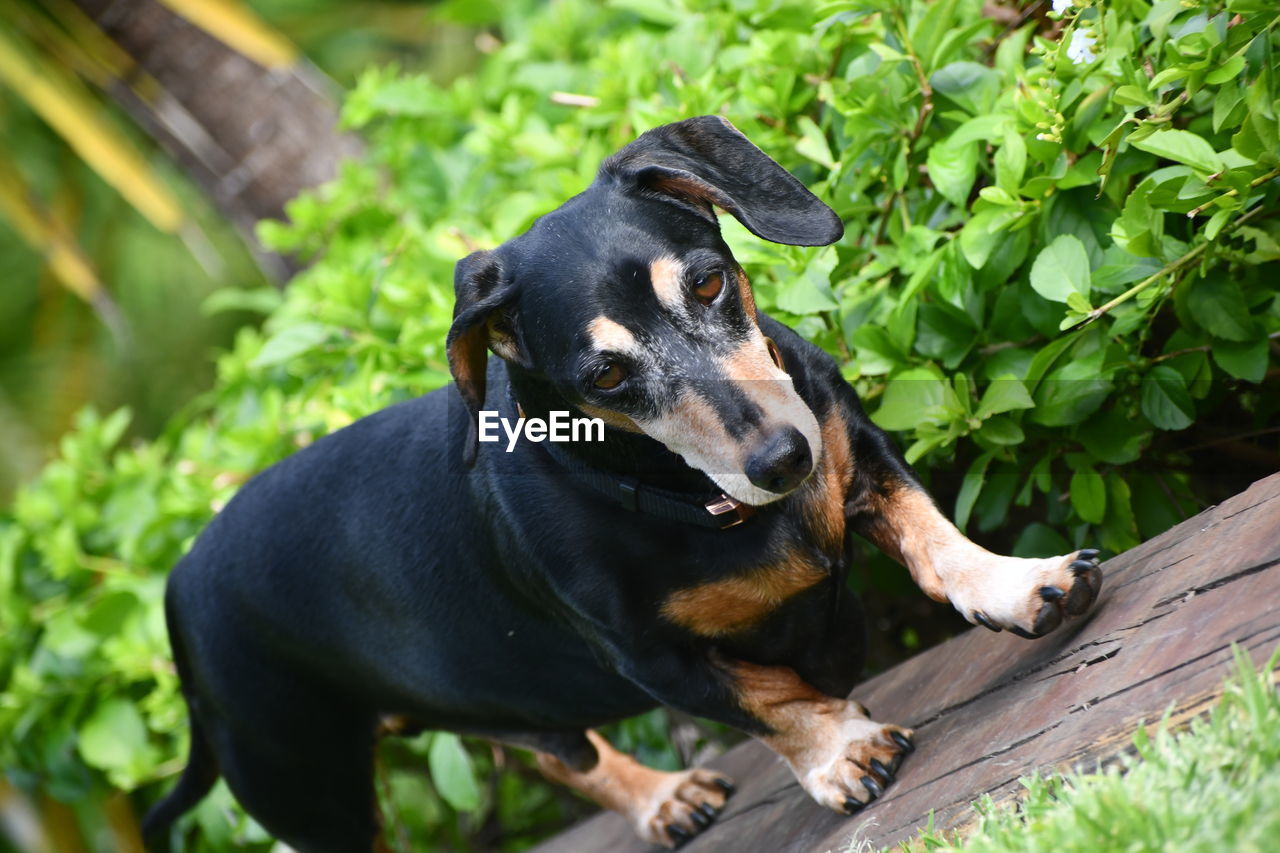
(852, 766)
(1031, 597)
(681, 806)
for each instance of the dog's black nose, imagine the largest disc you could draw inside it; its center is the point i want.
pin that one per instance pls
(781, 461)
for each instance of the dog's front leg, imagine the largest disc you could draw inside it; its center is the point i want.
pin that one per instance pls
(1029, 597)
(839, 755)
(663, 808)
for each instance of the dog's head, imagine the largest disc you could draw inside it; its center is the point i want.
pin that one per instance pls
(628, 301)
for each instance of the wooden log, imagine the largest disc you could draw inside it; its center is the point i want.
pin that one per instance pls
(990, 708)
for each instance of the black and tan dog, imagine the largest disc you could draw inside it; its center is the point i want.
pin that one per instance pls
(399, 573)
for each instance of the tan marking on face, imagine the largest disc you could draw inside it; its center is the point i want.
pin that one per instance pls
(747, 296)
(752, 369)
(824, 494)
(611, 418)
(610, 336)
(692, 429)
(666, 274)
(650, 799)
(725, 607)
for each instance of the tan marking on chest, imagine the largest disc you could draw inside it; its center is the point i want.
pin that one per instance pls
(729, 606)
(826, 491)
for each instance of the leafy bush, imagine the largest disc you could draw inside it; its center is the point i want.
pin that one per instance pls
(1060, 261)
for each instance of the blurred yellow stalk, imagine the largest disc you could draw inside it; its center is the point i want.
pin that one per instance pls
(47, 236)
(67, 107)
(239, 28)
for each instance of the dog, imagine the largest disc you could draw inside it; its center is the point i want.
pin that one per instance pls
(402, 573)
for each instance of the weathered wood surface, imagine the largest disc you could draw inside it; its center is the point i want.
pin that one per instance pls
(989, 708)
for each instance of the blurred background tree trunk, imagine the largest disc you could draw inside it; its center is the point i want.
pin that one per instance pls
(252, 125)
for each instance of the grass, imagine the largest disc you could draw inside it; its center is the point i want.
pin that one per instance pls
(1214, 786)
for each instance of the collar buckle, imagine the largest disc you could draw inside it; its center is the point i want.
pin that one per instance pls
(735, 511)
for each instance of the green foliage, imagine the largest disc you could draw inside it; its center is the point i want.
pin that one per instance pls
(1051, 271)
(1211, 787)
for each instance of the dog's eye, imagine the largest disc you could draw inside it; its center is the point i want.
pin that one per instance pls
(610, 375)
(708, 287)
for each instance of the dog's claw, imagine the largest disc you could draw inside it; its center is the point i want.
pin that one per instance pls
(1019, 632)
(725, 785)
(1088, 582)
(1047, 619)
(883, 772)
(873, 787)
(981, 619)
(709, 810)
(1051, 593)
(852, 806)
(904, 743)
(678, 834)
(699, 818)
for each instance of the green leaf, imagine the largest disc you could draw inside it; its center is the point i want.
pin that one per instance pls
(1218, 306)
(1119, 529)
(1182, 146)
(1078, 303)
(291, 342)
(1040, 540)
(1072, 392)
(1112, 436)
(982, 233)
(952, 169)
(1061, 268)
(1089, 495)
(1165, 399)
(811, 292)
(914, 397)
(114, 738)
(1003, 395)
(1229, 70)
(258, 300)
(1011, 163)
(1215, 223)
(662, 12)
(1246, 360)
(1002, 431)
(877, 353)
(813, 143)
(983, 128)
(451, 772)
(970, 488)
(969, 84)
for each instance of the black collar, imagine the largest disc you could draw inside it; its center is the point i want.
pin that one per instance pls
(715, 510)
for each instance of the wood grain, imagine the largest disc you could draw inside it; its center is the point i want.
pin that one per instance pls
(991, 708)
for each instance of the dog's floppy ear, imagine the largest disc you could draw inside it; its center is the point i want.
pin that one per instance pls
(706, 160)
(480, 293)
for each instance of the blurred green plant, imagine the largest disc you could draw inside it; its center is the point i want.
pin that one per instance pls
(1060, 260)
